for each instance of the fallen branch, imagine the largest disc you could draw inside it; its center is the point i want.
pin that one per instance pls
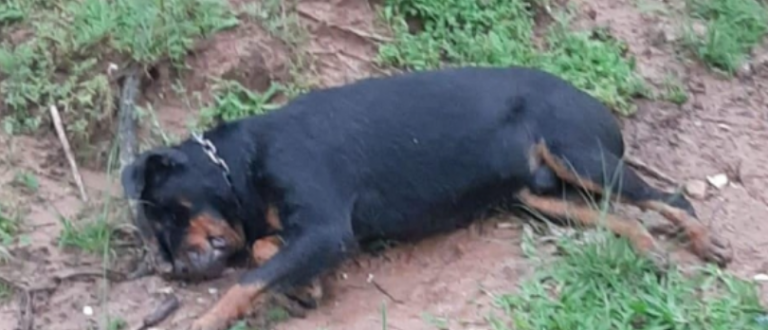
(347, 29)
(382, 290)
(26, 309)
(128, 147)
(26, 313)
(126, 129)
(111, 275)
(161, 312)
(650, 170)
(68, 152)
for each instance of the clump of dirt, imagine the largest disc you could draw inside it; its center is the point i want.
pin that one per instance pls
(718, 130)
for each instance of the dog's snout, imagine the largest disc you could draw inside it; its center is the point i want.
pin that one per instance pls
(180, 268)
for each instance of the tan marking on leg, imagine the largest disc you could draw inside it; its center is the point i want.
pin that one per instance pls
(264, 249)
(632, 230)
(565, 173)
(232, 306)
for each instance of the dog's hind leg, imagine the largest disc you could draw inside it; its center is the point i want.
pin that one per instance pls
(641, 240)
(602, 172)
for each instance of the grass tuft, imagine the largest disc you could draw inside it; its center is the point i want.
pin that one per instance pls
(732, 28)
(9, 227)
(232, 101)
(605, 285)
(92, 236)
(435, 33)
(63, 59)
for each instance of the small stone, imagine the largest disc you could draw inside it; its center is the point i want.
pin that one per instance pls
(699, 29)
(213, 291)
(111, 68)
(744, 71)
(88, 310)
(761, 277)
(696, 189)
(504, 225)
(165, 290)
(718, 180)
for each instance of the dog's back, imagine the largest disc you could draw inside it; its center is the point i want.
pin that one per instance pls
(397, 146)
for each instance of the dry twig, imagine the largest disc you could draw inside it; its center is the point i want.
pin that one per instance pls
(347, 29)
(68, 151)
(161, 312)
(26, 310)
(382, 290)
(650, 170)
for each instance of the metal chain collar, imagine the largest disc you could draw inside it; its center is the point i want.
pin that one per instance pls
(210, 150)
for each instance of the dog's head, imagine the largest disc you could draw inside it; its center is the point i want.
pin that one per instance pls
(188, 205)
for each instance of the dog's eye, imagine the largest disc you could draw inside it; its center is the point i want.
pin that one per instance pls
(217, 242)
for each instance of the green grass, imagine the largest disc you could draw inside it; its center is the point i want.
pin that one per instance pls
(674, 91)
(5, 291)
(28, 181)
(93, 236)
(117, 324)
(605, 285)
(232, 101)
(273, 315)
(732, 29)
(9, 226)
(63, 61)
(500, 33)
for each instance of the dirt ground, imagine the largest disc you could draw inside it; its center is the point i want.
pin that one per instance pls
(721, 129)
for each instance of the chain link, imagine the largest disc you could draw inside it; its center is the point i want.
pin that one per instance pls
(210, 150)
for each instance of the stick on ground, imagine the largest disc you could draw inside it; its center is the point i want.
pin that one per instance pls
(650, 170)
(68, 151)
(128, 147)
(165, 309)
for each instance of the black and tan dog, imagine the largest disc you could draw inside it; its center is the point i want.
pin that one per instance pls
(399, 157)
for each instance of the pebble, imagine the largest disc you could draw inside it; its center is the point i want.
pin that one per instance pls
(744, 71)
(761, 277)
(696, 189)
(88, 310)
(166, 290)
(718, 180)
(213, 291)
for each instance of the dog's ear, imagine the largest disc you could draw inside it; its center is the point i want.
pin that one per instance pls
(151, 165)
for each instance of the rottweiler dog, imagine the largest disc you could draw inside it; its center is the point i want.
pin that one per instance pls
(399, 157)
